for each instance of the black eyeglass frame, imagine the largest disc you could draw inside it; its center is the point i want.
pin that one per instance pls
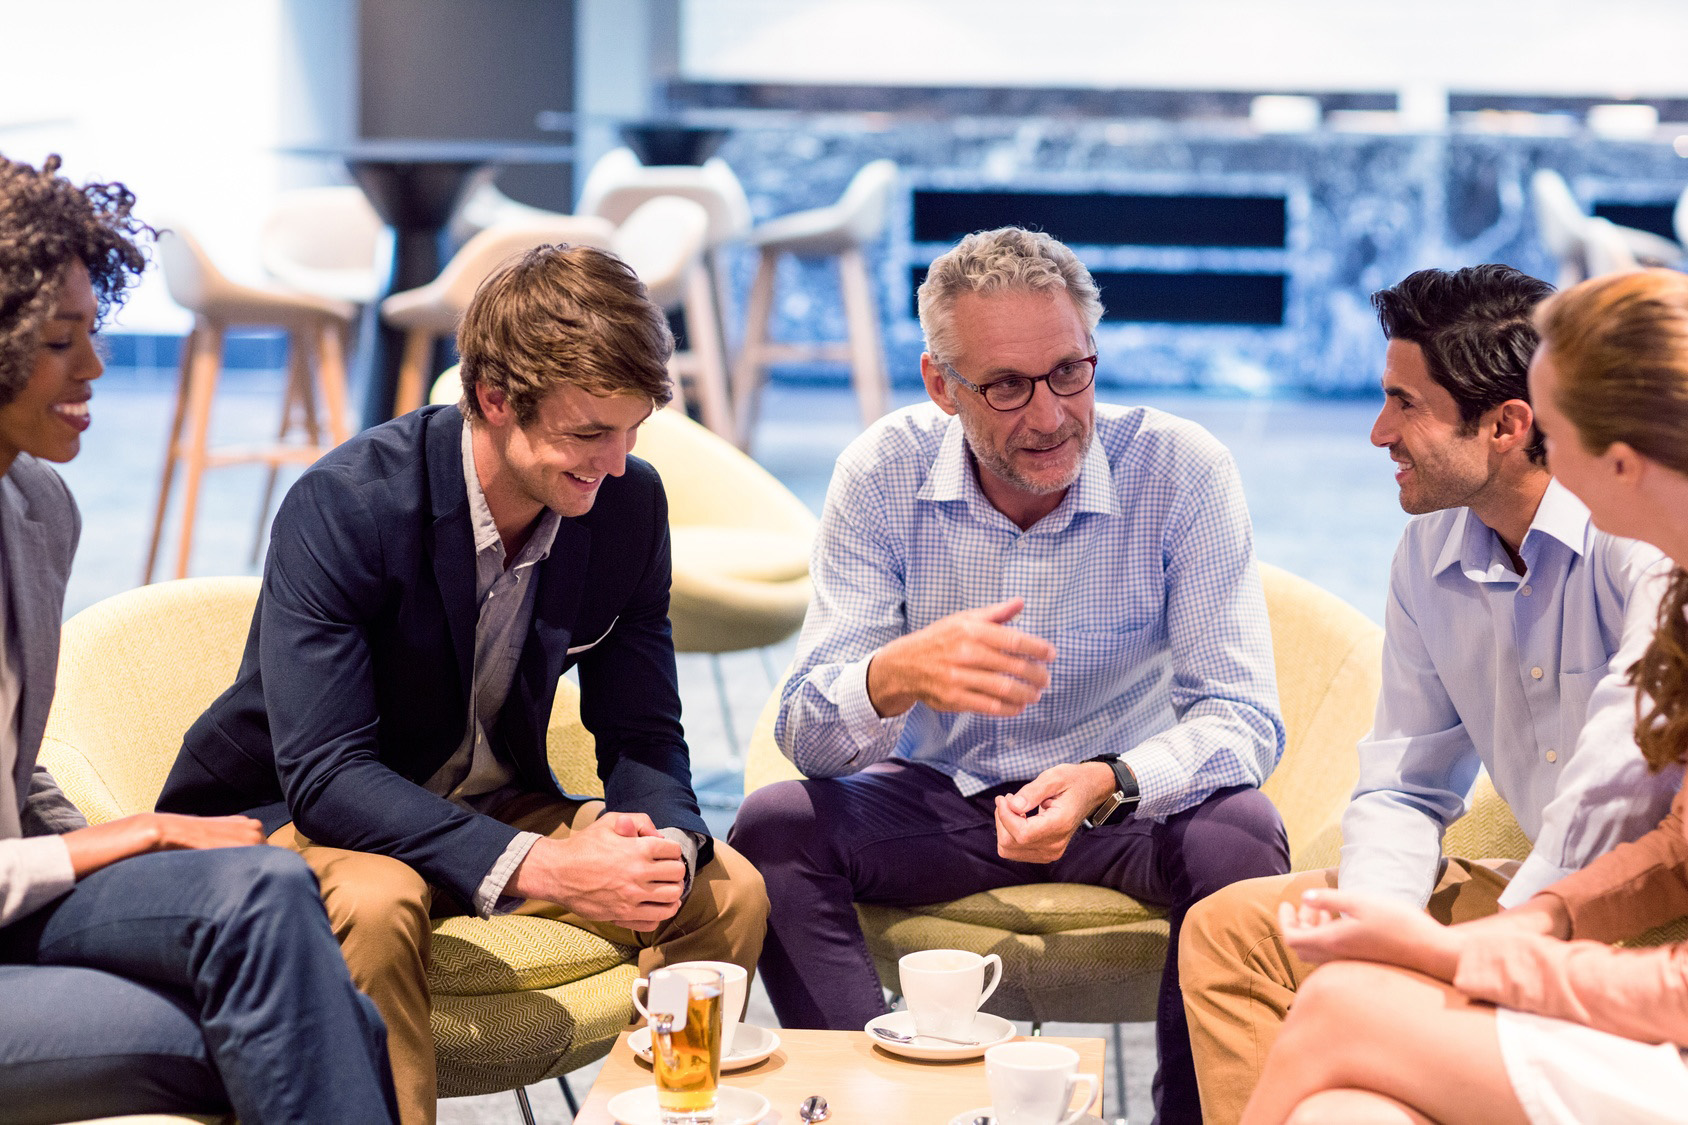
(983, 391)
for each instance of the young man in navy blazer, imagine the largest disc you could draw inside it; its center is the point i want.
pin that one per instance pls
(427, 583)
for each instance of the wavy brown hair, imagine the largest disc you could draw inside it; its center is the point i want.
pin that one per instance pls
(1620, 348)
(46, 222)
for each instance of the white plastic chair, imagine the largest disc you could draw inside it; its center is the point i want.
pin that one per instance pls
(316, 333)
(663, 240)
(431, 311)
(325, 240)
(839, 231)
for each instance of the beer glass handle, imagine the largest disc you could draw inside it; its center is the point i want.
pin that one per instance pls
(993, 962)
(1091, 1086)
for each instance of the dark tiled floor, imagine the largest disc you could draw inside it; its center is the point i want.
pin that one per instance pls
(1323, 503)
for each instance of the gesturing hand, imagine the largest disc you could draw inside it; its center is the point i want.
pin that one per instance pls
(619, 869)
(1061, 797)
(100, 845)
(969, 661)
(1338, 925)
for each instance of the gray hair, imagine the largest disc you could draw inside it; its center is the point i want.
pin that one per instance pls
(994, 261)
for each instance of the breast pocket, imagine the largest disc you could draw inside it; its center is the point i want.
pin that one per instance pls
(576, 650)
(1575, 690)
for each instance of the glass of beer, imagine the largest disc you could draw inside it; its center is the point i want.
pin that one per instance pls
(686, 1058)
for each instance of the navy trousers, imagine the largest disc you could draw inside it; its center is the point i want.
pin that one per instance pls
(188, 981)
(900, 834)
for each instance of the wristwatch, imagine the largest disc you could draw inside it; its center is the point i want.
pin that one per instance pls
(1122, 800)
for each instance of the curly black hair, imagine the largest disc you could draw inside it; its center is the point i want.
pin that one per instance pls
(46, 222)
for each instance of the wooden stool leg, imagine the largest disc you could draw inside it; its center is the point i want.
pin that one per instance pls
(331, 380)
(711, 362)
(751, 368)
(294, 401)
(171, 451)
(418, 346)
(202, 386)
(867, 353)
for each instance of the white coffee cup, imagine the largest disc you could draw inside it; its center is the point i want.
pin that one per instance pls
(1034, 1083)
(944, 988)
(735, 991)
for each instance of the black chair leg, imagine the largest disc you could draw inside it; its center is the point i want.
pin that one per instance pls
(568, 1095)
(527, 1110)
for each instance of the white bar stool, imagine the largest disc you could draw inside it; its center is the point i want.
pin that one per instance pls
(615, 188)
(325, 240)
(663, 242)
(431, 311)
(837, 231)
(316, 333)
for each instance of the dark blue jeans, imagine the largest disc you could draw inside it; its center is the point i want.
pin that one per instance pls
(188, 981)
(900, 834)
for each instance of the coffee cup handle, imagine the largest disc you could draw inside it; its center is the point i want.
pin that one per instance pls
(991, 959)
(644, 983)
(1091, 1086)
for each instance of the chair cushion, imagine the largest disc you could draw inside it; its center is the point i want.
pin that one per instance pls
(488, 1044)
(739, 552)
(515, 953)
(1042, 908)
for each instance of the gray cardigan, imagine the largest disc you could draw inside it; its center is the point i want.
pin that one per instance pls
(39, 527)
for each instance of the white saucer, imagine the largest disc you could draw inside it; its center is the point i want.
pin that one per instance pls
(986, 1111)
(989, 1030)
(732, 1107)
(751, 1044)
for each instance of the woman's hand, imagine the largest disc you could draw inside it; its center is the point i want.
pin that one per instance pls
(101, 845)
(1332, 925)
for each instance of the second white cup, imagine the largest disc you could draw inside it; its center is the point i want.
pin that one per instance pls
(735, 990)
(1034, 1083)
(944, 988)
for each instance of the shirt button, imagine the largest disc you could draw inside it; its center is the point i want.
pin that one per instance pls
(1552, 756)
(1525, 590)
(1535, 673)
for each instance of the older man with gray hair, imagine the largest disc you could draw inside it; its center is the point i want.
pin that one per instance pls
(1038, 652)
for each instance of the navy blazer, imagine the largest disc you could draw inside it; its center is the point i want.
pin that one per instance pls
(354, 687)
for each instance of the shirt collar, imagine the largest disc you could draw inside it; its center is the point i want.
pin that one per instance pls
(951, 477)
(1471, 542)
(538, 546)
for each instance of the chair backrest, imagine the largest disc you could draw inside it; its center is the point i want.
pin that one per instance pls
(618, 184)
(1329, 665)
(137, 669)
(193, 279)
(711, 482)
(333, 231)
(865, 205)
(662, 240)
(494, 246)
(1560, 219)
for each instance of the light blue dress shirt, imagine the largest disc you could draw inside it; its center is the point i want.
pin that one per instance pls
(1525, 677)
(1143, 578)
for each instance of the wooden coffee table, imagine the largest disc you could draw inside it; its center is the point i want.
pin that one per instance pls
(864, 1084)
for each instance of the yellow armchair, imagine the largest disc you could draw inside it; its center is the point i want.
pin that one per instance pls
(516, 999)
(1091, 955)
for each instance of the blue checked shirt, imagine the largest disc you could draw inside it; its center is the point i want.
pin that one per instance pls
(1524, 676)
(1143, 579)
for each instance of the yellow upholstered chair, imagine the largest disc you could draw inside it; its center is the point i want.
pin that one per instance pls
(1091, 955)
(516, 999)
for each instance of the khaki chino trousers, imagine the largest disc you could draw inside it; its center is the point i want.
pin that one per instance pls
(380, 910)
(1239, 978)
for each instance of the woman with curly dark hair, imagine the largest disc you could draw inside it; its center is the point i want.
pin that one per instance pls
(1532, 1015)
(154, 963)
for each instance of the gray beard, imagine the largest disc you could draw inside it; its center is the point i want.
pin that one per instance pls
(1002, 468)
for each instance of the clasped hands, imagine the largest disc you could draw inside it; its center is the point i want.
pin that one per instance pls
(618, 869)
(974, 662)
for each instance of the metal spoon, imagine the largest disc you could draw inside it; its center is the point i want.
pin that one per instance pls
(898, 1037)
(813, 1109)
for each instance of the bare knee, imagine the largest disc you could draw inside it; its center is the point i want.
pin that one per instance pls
(1349, 1107)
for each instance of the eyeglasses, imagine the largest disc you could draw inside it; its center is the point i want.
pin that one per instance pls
(1011, 393)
